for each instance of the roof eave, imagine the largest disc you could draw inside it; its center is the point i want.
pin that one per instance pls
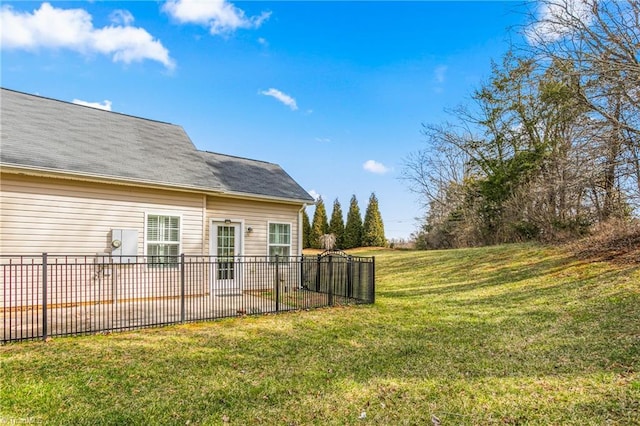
(261, 197)
(141, 183)
(98, 178)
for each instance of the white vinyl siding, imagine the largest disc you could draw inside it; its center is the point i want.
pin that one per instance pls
(279, 239)
(61, 216)
(256, 215)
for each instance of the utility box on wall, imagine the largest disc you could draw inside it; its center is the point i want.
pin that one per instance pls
(124, 245)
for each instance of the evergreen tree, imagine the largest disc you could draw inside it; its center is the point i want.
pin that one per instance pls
(320, 226)
(306, 230)
(336, 225)
(373, 228)
(352, 236)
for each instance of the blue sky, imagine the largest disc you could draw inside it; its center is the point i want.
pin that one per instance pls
(334, 92)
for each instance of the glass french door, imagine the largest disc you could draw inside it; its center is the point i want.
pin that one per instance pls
(225, 250)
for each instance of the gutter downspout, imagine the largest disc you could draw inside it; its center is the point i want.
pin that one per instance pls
(204, 225)
(300, 278)
(304, 206)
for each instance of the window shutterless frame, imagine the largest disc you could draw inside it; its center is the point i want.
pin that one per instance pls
(279, 239)
(162, 238)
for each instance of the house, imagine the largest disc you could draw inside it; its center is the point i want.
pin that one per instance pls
(83, 181)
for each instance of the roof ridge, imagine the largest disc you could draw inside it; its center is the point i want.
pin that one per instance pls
(239, 157)
(86, 106)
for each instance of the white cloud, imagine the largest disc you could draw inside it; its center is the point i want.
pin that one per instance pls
(314, 194)
(323, 140)
(553, 17)
(282, 97)
(375, 167)
(53, 28)
(106, 105)
(440, 73)
(128, 44)
(219, 16)
(121, 17)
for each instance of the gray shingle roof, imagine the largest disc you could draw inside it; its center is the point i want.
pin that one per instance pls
(43, 133)
(49, 134)
(241, 175)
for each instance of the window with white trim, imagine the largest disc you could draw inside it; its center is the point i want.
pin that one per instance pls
(279, 239)
(163, 239)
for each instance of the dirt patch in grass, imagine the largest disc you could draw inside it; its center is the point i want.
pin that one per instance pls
(298, 298)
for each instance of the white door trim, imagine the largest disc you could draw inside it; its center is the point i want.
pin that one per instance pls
(234, 285)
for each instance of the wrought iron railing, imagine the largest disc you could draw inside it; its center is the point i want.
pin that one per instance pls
(55, 295)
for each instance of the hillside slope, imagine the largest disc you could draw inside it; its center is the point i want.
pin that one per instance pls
(513, 335)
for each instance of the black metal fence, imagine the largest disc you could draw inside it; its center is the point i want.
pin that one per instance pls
(54, 295)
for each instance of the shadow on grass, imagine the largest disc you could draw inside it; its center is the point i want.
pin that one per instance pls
(476, 332)
(452, 280)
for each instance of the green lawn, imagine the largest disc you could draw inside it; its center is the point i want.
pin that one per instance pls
(505, 335)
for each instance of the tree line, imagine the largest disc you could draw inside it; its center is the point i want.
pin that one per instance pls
(549, 145)
(355, 233)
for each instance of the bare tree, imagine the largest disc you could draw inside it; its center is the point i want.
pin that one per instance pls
(600, 41)
(432, 171)
(551, 142)
(328, 241)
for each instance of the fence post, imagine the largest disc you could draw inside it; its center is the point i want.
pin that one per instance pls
(330, 284)
(301, 283)
(182, 301)
(44, 296)
(350, 277)
(318, 275)
(277, 281)
(114, 281)
(373, 279)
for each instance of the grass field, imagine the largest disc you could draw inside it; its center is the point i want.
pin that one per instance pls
(504, 335)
